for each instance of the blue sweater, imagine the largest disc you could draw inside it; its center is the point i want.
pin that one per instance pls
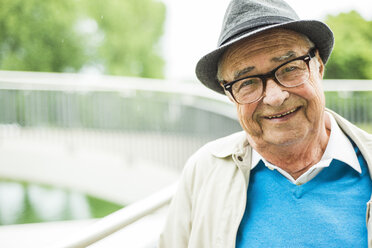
(328, 211)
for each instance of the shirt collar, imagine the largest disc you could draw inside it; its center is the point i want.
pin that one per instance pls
(339, 147)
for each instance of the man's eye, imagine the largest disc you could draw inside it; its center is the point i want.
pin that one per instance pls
(290, 68)
(248, 82)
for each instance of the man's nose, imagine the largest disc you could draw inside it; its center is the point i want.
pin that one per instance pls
(275, 94)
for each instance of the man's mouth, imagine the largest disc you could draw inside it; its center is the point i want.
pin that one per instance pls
(282, 114)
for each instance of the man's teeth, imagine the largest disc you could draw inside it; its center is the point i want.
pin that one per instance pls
(286, 113)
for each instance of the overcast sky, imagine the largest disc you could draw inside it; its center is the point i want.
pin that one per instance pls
(192, 27)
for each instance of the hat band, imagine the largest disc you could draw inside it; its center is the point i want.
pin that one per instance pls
(257, 23)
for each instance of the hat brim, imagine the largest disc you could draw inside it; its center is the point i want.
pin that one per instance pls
(318, 32)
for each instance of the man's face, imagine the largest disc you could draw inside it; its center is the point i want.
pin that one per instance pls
(284, 116)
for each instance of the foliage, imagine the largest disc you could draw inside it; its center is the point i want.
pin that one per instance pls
(130, 29)
(352, 54)
(38, 36)
(58, 36)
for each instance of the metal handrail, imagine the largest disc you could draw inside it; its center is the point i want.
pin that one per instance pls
(118, 220)
(46, 81)
(72, 82)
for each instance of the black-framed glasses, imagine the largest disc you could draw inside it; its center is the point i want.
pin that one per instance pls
(292, 73)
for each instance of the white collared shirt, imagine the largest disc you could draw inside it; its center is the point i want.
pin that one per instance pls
(339, 147)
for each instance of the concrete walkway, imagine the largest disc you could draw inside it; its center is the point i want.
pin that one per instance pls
(80, 164)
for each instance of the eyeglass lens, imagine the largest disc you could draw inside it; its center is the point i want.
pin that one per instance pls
(292, 74)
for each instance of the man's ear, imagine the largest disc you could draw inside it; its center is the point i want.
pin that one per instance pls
(320, 64)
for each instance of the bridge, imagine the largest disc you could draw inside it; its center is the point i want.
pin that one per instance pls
(120, 139)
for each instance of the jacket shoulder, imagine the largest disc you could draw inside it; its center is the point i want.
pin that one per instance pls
(215, 154)
(226, 146)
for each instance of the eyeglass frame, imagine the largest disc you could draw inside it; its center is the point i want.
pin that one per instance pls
(271, 75)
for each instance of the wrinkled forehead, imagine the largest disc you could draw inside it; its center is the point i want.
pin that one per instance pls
(270, 39)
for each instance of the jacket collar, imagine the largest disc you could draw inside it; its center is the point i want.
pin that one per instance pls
(227, 146)
(361, 138)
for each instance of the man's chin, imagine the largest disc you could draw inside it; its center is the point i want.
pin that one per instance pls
(283, 139)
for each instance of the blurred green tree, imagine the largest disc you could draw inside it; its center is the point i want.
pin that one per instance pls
(117, 37)
(352, 54)
(130, 32)
(39, 36)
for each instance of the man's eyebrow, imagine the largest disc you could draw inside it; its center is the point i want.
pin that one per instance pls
(284, 57)
(243, 71)
(288, 55)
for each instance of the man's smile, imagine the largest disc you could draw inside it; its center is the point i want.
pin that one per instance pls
(283, 114)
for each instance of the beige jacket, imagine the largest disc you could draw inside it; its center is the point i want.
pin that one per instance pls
(208, 207)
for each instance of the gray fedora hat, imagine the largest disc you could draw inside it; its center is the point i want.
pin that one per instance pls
(244, 18)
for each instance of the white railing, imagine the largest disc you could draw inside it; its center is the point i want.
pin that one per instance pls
(87, 82)
(127, 86)
(347, 85)
(118, 220)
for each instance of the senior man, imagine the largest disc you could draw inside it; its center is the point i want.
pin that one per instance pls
(298, 176)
